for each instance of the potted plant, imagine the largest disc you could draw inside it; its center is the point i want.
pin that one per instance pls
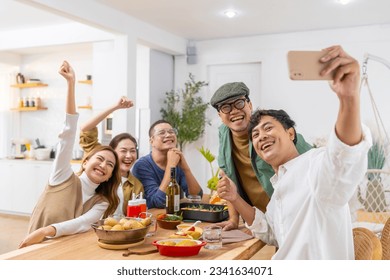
(186, 111)
(375, 200)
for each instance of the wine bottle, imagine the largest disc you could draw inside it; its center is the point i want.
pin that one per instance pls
(172, 203)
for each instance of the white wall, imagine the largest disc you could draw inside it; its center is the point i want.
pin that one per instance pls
(161, 81)
(103, 27)
(46, 124)
(303, 99)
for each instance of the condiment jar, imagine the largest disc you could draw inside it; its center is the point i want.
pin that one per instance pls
(142, 203)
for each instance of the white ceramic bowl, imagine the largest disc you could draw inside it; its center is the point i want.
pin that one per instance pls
(42, 153)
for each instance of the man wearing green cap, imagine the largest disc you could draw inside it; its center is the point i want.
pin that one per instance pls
(236, 156)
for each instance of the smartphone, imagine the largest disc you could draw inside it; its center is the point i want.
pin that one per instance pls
(306, 65)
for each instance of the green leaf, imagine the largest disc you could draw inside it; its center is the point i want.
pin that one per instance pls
(213, 181)
(376, 156)
(207, 154)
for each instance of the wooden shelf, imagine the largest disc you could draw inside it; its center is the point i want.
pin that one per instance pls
(89, 82)
(29, 109)
(85, 107)
(29, 85)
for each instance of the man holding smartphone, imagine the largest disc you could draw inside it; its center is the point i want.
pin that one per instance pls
(236, 156)
(308, 215)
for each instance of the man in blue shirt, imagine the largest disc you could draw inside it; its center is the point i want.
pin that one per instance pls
(153, 170)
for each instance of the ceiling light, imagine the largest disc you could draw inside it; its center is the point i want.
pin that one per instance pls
(230, 13)
(343, 2)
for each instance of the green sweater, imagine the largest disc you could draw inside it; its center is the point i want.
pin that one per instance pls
(262, 169)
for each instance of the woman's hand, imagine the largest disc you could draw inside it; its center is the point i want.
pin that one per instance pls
(124, 103)
(67, 72)
(38, 236)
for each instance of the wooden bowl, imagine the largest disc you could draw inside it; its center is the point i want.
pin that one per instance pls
(168, 221)
(168, 224)
(119, 236)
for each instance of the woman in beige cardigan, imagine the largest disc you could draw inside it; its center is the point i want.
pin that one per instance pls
(71, 202)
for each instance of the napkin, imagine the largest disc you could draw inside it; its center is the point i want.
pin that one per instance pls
(235, 235)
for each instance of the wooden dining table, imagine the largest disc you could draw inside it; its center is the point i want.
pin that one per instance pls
(85, 246)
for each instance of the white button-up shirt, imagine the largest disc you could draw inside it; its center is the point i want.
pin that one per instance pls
(308, 215)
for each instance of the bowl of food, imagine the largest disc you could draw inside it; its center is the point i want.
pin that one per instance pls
(192, 232)
(121, 231)
(178, 247)
(168, 221)
(212, 213)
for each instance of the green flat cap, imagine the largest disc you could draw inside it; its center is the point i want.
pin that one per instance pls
(228, 91)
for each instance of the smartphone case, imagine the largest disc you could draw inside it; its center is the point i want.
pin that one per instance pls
(306, 65)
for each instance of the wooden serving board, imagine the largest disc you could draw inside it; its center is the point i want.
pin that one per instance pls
(141, 250)
(119, 246)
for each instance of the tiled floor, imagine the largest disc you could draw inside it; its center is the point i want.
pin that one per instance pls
(14, 229)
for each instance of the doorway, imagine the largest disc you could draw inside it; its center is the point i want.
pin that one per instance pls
(248, 73)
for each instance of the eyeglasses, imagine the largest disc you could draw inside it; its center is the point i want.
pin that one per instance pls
(163, 132)
(228, 107)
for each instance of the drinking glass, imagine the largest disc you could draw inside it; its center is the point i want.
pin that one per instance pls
(213, 236)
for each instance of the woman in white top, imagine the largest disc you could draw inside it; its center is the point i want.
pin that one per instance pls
(71, 202)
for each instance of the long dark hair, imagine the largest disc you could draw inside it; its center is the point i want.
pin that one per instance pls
(107, 189)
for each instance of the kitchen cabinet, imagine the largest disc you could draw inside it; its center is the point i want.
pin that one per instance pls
(23, 181)
(6, 186)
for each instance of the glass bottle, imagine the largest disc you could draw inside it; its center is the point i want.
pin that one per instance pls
(172, 203)
(32, 102)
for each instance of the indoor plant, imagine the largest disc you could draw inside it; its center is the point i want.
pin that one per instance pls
(375, 200)
(186, 111)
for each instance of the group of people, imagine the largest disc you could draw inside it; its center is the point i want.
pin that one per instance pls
(288, 194)
(71, 202)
